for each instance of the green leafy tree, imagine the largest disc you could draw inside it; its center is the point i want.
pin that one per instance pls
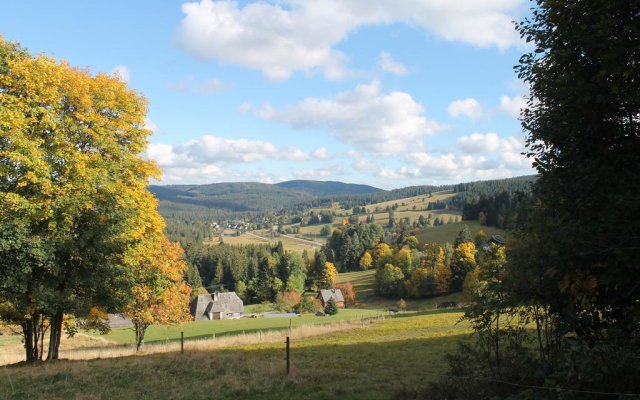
(298, 273)
(584, 142)
(412, 242)
(572, 272)
(389, 281)
(464, 236)
(309, 304)
(326, 231)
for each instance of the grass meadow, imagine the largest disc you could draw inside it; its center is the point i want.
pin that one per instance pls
(377, 359)
(207, 329)
(448, 232)
(260, 237)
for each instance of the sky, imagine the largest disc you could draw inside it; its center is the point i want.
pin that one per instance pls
(390, 93)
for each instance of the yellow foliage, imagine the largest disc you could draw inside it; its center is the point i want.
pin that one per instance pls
(366, 261)
(402, 259)
(443, 277)
(329, 275)
(465, 253)
(382, 254)
(160, 296)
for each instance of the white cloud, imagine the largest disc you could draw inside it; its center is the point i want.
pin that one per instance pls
(403, 172)
(328, 171)
(488, 143)
(211, 148)
(195, 175)
(512, 105)
(515, 161)
(389, 64)
(470, 108)
(121, 72)
(286, 36)
(500, 158)
(321, 153)
(190, 85)
(208, 152)
(442, 165)
(380, 123)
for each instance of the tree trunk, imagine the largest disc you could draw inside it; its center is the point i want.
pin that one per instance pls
(55, 333)
(140, 331)
(32, 332)
(30, 342)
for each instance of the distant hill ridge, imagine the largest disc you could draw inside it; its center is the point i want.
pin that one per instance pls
(254, 196)
(328, 188)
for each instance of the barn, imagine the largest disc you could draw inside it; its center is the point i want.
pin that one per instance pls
(216, 306)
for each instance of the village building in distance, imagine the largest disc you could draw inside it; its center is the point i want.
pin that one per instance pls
(216, 306)
(327, 294)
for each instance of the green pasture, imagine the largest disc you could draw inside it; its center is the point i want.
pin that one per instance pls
(448, 232)
(207, 329)
(406, 204)
(263, 238)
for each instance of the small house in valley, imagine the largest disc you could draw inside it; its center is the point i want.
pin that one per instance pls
(216, 306)
(327, 294)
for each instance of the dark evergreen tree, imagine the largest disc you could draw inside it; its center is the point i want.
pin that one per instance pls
(331, 308)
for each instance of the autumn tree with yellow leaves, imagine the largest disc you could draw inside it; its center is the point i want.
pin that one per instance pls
(329, 276)
(463, 262)
(74, 208)
(159, 295)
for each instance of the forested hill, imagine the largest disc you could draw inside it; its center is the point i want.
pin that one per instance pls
(328, 188)
(253, 196)
(232, 196)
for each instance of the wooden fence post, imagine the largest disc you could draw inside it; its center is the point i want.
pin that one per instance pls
(182, 342)
(288, 357)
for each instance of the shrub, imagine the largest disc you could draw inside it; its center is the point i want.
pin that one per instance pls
(331, 308)
(309, 304)
(287, 301)
(348, 292)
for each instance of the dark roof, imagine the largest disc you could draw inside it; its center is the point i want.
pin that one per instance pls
(326, 294)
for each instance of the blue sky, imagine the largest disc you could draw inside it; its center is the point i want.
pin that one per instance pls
(387, 93)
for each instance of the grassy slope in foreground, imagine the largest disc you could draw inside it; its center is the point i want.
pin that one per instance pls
(377, 362)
